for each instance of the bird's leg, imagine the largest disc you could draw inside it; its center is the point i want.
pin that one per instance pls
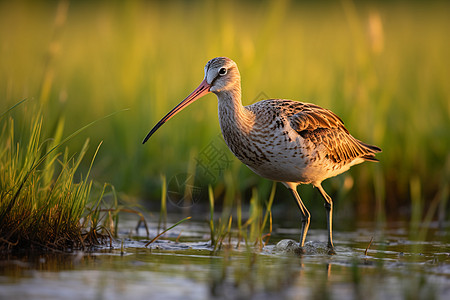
(305, 215)
(329, 211)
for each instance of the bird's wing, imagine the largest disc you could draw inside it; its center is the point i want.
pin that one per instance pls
(322, 127)
(307, 116)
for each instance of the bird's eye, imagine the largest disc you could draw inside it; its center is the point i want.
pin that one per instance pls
(222, 71)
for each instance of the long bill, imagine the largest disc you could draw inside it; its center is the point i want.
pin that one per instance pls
(199, 92)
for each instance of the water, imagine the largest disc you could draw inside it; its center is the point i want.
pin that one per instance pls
(395, 267)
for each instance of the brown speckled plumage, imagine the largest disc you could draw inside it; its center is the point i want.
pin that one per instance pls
(282, 140)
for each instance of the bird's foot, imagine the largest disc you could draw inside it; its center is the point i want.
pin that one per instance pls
(293, 247)
(289, 247)
(331, 250)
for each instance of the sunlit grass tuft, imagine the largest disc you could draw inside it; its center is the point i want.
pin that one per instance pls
(42, 203)
(35, 210)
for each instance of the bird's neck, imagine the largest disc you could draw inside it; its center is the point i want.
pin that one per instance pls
(233, 116)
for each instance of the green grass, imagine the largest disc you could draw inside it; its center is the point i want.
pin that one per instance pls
(382, 67)
(42, 201)
(46, 202)
(252, 233)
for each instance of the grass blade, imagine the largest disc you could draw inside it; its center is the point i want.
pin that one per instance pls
(174, 225)
(12, 107)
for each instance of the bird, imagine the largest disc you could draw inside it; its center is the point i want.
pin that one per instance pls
(282, 140)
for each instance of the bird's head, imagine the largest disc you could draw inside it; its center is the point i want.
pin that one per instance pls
(221, 75)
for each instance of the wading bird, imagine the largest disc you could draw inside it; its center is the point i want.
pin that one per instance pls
(282, 140)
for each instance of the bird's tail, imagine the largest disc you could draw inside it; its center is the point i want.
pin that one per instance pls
(370, 151)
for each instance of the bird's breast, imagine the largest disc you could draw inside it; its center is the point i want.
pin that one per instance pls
(274, 152)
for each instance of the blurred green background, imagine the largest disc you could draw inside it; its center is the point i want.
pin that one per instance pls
(382, 66)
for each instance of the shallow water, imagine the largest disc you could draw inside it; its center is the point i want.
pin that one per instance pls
(395, 267)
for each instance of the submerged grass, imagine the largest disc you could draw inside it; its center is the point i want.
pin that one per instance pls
(164, 231)
(252, 232)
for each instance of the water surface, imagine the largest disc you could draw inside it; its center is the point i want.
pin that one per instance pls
(395, 267)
